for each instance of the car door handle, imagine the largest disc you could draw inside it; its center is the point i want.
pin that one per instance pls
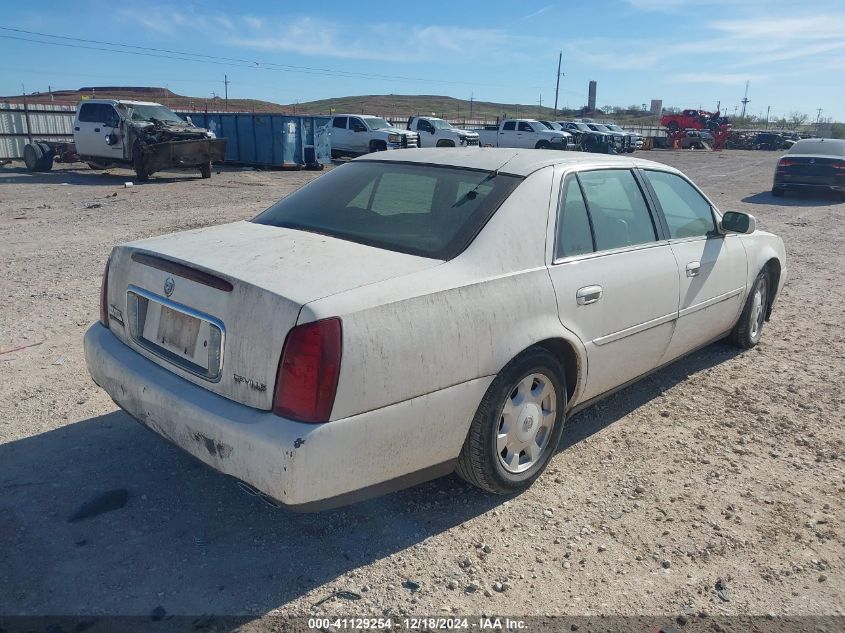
(693, 268)
(96, 129)
(587, 295)
(76, 128)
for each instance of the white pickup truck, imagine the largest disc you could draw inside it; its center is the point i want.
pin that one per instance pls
(146, 136)
(525, 133)
(436, 132)
(356, 134)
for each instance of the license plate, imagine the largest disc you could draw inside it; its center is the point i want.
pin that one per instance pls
(181, 335)
(177, 332)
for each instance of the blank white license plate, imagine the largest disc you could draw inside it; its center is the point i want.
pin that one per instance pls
(187, 338)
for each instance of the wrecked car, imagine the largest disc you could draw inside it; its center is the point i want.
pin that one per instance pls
(146, 136)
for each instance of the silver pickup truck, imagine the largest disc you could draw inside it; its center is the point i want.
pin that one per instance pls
(524, 133)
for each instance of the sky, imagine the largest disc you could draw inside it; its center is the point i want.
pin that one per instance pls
(689, 53)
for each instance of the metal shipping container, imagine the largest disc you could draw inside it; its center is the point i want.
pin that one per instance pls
(271, 140)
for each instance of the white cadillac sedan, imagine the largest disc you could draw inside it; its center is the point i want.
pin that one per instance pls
(414, 313)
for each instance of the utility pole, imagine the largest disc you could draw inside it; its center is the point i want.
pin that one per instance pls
(818, 120)
(768, 109)
(557, 84)
(744, 101)
(539, 110)
(50, 90)
(226, 90)
(471, 94)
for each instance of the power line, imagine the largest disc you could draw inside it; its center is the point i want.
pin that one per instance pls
(163, 53)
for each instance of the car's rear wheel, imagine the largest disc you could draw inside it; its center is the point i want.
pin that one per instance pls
(517, 427)
(542, 145)
(445, 143)
(205, 170)
(749, 328)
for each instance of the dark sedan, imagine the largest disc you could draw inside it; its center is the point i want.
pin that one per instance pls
(812, 163)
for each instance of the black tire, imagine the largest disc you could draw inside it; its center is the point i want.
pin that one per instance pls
(138, 163)
(205, 170)
(673, 126)
(46, 162)
(445, 143)
(378, 146)
(479, 462)
(749, 328)
(778, 192)
(542, 145)
(32, 155)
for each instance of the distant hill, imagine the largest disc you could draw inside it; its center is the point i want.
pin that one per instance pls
(159, 95)
(396, 107)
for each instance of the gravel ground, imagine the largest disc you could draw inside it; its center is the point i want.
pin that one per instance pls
(725, 466)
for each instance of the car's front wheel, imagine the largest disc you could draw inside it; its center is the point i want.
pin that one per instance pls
(517, 427)
(749, 328)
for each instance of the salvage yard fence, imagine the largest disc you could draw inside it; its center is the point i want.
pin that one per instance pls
(22, 122)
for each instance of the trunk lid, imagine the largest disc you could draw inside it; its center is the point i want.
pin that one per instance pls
(822, 170)
(215, 305)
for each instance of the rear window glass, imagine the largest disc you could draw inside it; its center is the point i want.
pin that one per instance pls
(411, 208)
(819, 147)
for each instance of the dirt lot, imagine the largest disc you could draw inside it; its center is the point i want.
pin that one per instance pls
(725, 465)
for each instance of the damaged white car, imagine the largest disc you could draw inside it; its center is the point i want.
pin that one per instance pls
(410, 314)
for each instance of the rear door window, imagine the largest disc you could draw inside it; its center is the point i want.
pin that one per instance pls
(687, 212)
(509, 125)
(617, 208)
(339, 122)
(574, 236)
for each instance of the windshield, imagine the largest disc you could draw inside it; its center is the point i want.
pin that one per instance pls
(440, 124)
(552, 125)
(424, 210)
(375, 123)
(157, 112)
(581, 126)
(819, 147)
(598, 127)
(615, 128)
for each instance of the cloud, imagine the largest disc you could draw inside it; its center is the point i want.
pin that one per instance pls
(539, 12)
(375, 41)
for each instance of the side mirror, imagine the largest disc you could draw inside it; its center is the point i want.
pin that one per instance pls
(738, 222)
(112, 139)
(188, 119)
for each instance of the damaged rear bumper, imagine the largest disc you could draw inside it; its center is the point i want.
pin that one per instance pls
(306, 467)
(192, 153)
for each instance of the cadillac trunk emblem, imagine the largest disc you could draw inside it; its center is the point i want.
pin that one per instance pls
(169, 286)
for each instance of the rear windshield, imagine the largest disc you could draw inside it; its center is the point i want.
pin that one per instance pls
(426, 210)
(819, 147)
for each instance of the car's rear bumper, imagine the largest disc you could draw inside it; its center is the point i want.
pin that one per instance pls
(303, 466)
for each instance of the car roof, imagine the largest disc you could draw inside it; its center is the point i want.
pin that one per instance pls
(519, 162)
(360, 116)
(116, 101)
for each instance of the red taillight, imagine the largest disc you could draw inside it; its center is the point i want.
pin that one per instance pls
(308, 371)
(785, 162)
(838, 164)
(104, 296)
